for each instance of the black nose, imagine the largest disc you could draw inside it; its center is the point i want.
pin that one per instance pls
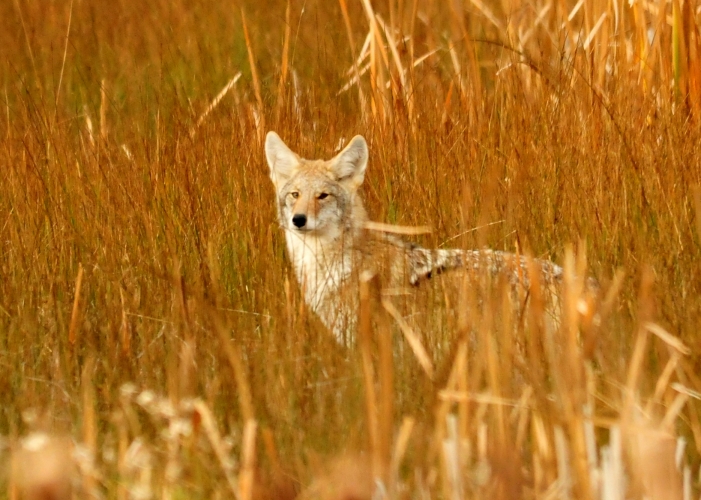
(299, 220)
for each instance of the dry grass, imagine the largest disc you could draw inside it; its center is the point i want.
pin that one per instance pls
(152, 338)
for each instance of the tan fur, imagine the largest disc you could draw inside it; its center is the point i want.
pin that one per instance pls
(323, 217)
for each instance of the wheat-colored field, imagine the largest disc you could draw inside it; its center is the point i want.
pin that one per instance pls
(153, 340)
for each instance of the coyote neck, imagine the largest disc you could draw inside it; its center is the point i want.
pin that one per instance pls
(322, 265)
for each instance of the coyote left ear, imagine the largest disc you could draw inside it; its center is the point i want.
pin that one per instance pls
(349, 165)
(281, 159)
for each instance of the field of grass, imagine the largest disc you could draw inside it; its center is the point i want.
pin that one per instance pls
(153, 340)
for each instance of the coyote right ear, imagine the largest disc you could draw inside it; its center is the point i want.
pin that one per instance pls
(349, 164)
(281, 159)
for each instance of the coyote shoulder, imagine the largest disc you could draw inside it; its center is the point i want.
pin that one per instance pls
(324, 220)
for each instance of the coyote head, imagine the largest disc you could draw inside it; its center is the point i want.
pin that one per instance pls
(317, 197)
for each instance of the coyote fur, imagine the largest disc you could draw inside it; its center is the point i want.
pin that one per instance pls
(324, 220)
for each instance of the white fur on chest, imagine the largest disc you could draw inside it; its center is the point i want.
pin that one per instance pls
(321, 267)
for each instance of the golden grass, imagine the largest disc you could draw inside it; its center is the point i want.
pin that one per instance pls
(152, 338)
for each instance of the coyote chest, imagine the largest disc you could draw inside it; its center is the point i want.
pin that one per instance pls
(321, 270)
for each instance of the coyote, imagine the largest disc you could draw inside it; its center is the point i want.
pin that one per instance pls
(330, 247)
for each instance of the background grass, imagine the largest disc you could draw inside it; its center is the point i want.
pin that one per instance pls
(140, 248)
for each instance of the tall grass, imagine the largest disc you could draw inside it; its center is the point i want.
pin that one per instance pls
(153, 341)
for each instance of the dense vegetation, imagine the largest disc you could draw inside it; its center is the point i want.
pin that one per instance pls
(153, 341)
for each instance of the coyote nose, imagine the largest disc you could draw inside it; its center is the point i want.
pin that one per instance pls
(299, 220)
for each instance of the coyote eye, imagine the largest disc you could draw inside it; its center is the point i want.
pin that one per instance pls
(294, 194)
(322, 196)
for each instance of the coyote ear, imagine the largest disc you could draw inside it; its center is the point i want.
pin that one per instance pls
(281, 159)
(349, 165)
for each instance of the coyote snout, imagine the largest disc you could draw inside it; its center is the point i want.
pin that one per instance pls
(299, 220)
